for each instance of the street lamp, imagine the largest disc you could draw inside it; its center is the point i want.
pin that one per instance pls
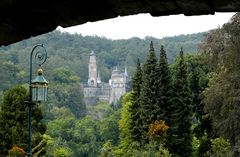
(37, 87)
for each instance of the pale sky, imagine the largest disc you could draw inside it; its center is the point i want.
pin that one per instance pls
(143, 25)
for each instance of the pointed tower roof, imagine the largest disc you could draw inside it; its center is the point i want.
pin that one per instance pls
(98, 77)
(126, 72)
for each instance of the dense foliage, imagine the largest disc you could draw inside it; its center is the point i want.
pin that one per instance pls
(222, 96)
(14, 124)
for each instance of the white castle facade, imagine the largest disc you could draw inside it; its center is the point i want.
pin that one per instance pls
(96, 90)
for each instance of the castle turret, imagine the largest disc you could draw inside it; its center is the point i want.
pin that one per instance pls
(118, 85)
(92, 70)
(99, 78)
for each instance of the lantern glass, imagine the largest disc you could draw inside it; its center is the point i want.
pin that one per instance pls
(39, 88)
(39, 93)
(34, 94)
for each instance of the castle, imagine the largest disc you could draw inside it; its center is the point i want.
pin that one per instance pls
(96, 90)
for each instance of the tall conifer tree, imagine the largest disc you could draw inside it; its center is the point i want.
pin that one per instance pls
(134, 109)
(164, 87)
(148, 94)
(179, 141)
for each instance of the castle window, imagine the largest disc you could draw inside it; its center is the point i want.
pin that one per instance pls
(92, 82)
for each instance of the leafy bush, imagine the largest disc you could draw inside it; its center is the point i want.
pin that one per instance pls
(16, 152)
(220, 148)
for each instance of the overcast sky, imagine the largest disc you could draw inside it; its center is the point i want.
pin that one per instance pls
(143, 25)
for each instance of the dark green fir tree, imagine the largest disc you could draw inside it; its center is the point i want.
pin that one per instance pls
(134, 109)
(148, 94)
(14, 122)
(180, 138)
(164, 88)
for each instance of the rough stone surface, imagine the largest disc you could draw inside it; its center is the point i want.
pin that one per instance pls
(21, 19)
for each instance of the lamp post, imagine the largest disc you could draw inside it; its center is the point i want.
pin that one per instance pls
(37, 87)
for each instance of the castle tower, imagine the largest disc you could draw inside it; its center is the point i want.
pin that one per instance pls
(118, 85)
(92, 70)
